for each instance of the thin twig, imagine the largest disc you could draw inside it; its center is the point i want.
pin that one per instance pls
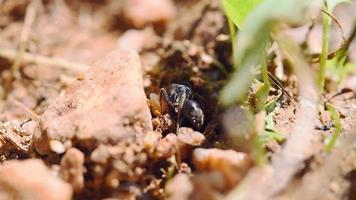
(34, 115)
(279, 84)
(338, 24)
(345, 46)
(25, 33)
(326, 22)
(351, 37)
(10, 54)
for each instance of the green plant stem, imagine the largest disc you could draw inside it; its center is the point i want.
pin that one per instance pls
(337, 127)
(233, 37)
(258, 151)
(324, 51)
(264, 69)
(263, 92)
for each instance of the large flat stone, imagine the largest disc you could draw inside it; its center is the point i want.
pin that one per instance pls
(104, 105)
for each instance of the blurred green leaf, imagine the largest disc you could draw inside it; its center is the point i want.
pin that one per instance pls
(261, 96)
(324, 50)
(329, 7)
(237, 10)
(269, 122)
(270, 132)
(337, 71)
(271, 104)
(233, 32)
(263, 91)
(331, 141)
(269, 135)
(253, 38)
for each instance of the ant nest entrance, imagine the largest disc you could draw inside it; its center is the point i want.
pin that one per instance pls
(174, 106)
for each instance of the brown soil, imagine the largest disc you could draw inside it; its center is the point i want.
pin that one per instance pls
(79, 105)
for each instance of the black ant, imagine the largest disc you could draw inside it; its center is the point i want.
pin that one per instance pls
(177, 101)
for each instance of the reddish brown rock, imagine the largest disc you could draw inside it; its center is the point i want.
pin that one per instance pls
(105, 105)
(142, 12)
(72, 168)
(31, 180)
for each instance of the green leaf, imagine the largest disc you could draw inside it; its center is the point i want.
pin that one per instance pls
(237, 10)
(324, 50)
(261, 96)
(331, 141)
(263, 91)
(337, 69)
(233, 32)
(329, 7)
(269, 135)
(252, 39)
(269, 122)
(271, 104)
(270, 132)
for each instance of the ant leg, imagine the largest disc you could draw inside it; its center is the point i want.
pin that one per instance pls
(164, 102)
(181, 101)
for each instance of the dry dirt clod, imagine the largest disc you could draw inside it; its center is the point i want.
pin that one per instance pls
(179, 188)
(100, 155)
(138, 40)
(72, 168)
(181, 143)
(143, 12)
(208, 185)
(107, 104)
(233, 165)
(14, 139)
(31, 180)
(57, 146)
(150, 139)
(187, 140)
(349, 83)
(165, 147)
(154, 104)
(190, 137)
